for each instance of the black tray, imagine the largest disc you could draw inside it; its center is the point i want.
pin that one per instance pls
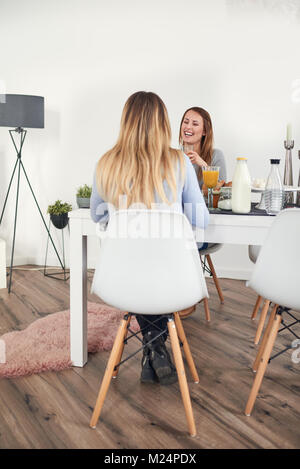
(254, 211)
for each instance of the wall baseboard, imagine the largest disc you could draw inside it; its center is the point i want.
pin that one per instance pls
(234, 274)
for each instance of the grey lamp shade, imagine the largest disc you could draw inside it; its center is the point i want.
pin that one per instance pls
(20, 110)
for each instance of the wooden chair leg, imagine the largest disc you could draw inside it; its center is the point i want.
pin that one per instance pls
(181, 377)
(185, 313)
(206, 309)
(256, 307)
(263, 364)
(113, 360)
(264, 339)
(115, 373)
(216, 280)
(262, 320)
(186, 348)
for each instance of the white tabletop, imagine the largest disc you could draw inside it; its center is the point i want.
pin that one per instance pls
(230, 229)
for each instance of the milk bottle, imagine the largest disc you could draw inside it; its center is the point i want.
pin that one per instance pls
(241, 187)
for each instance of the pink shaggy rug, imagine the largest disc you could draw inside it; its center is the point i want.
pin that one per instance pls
(45, 344)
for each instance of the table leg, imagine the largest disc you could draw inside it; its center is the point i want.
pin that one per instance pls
(78, 294)
(2, 264)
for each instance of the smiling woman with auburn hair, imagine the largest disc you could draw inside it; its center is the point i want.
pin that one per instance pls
(196, 138)
(143, 167)
(196, 130)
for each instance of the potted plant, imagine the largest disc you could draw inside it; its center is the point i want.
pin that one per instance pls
(83, 196)
(59, 213)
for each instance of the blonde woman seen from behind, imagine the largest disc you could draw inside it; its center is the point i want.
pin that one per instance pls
(143, 167)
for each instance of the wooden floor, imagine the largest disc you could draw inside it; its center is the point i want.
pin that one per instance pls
(52, 410)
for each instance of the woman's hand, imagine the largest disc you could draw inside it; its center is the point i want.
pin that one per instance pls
(196, 159)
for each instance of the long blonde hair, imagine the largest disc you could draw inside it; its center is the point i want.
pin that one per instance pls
(142, 158)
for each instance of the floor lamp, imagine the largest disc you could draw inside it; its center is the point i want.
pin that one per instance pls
(19, 111)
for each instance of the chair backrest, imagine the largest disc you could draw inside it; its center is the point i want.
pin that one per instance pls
(276, 272)
(149, 263)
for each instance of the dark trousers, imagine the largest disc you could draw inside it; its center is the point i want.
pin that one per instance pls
(146, 323)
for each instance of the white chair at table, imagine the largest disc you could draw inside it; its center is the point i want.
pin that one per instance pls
(151, 274)
(276, 277)
(205, 255)
(253, 251)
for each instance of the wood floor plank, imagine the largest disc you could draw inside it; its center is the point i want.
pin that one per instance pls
(52, 410)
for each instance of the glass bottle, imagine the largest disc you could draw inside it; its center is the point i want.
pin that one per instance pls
(241, 187)
(274, 193)
(224, 202)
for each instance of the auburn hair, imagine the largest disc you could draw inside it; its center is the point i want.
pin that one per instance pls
(206, 144)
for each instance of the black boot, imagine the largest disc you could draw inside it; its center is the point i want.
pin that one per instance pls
(148, 375)
(160, 360)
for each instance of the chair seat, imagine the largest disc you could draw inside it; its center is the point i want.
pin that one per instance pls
(211, 248)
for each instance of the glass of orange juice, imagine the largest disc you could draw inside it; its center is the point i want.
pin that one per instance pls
(210, 179)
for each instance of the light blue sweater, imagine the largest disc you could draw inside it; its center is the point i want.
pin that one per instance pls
(189, 198)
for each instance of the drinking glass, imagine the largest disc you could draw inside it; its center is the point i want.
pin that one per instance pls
(187, 147)
(210, 179)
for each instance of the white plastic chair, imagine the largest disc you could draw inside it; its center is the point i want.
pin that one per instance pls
(205, 254)
(276, 277)
(253, 251)
(149, 264)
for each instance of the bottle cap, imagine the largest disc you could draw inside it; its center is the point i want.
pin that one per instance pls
(274, 161)
(242, 159)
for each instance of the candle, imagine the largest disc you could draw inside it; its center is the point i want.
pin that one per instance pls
(289, 132)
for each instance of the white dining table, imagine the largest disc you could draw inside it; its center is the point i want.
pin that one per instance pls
(222, 228)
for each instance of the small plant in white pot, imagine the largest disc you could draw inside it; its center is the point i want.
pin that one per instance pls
(59, 213)
(83, 196)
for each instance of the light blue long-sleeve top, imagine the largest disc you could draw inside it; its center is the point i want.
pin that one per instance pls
(189, 198)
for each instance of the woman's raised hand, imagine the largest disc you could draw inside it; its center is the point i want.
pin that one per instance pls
(196, 159)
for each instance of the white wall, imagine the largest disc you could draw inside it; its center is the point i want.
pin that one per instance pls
(239, 61)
